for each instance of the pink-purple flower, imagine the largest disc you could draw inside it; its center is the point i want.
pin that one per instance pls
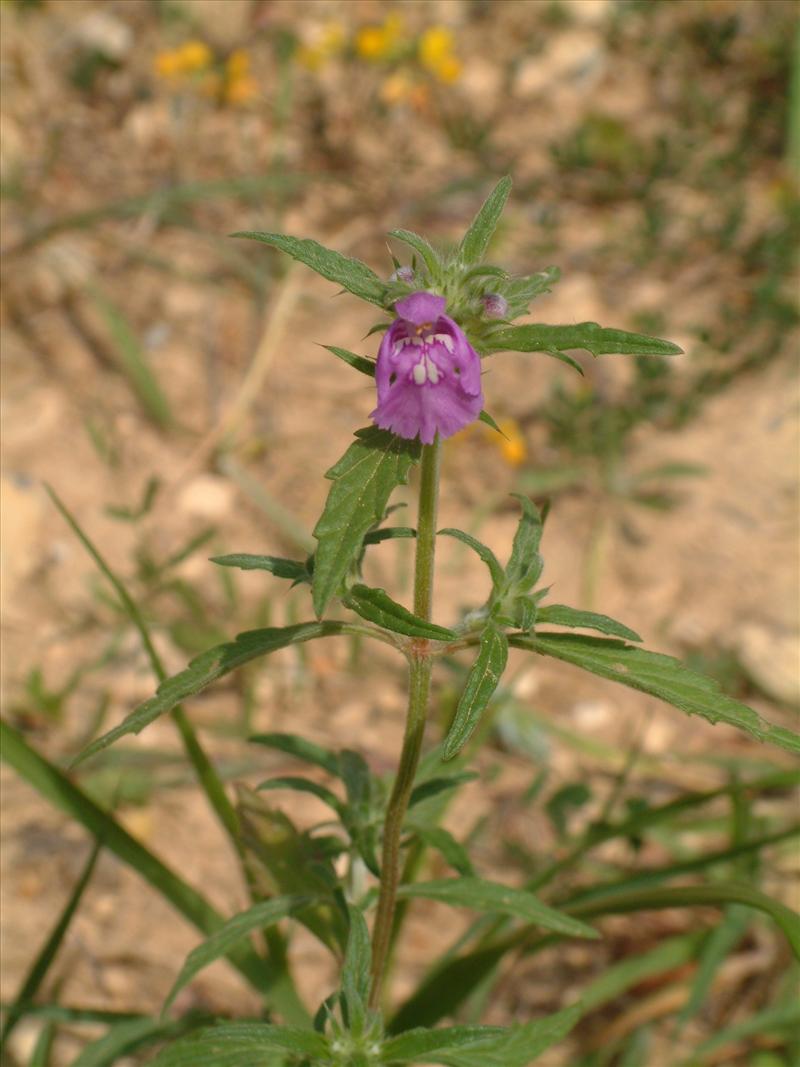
(428, 374)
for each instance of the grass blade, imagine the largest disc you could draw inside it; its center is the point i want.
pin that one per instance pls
(54, 786)
(41, 964)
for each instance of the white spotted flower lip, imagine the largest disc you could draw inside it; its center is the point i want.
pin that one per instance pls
(428, 374)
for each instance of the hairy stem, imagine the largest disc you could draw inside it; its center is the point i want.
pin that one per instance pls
(419, 677)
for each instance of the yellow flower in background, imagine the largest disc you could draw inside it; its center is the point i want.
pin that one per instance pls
(448, 69)
(240, 86)
(402, 88)
(190, 58)
(195, 55)
(512, 447)
(379, 42)
(435, 51)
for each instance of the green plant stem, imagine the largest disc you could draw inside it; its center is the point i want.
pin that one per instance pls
(419, 677)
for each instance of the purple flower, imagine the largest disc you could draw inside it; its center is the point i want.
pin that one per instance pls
(428, 374)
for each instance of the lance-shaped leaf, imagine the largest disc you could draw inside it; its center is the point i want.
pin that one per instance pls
(353, 275)
(485, 553)
(377, 606)
(480, 895)
(232, 933)
(482, 1046)
(300, 748)
(432, 787)
(363, 480)
(481, 683)
(443, 841)
(476, 239)
(206, 668)
(281, 568)
(598, 340)
(242, 1045)
(355, 969)
(420, 245)
(660, 676)
(366, 366)
(520, 291)
(561, 615)
(291, 863)
(525, 563)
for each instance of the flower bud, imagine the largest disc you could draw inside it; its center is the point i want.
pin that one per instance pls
(494, 306)
(402, 274)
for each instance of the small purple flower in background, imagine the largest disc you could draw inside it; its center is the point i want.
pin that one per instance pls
(428, 374)
(494, 306)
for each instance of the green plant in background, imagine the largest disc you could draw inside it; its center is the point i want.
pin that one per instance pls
(349, 880)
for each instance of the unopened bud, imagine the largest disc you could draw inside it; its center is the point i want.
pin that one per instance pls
(494, 306)
(402, 274)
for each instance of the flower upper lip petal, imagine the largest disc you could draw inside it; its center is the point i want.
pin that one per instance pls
(420, 308)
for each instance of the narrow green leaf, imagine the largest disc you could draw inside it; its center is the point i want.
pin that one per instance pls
(300, 748)
(55, 787)
(560, 615)
(717, 894)
(784, 1017)
(41, 965)
(242, 1045)
(207, 776)
(482, 680)
(525, 564)
(719, 944)
(668, 956)
(356, 969)
(597, 340)
(281, 568)
(422, 1044)
(377, 606)
(132, 360)
(433, 786)
(520, 291)
(480, 895)
(388, 533)
(302, 785)
(366, 366)
(485, 553)
(420, 245)
(292, 863)
(482, 1046)
(40, 1057)
(443, 841)
(660, 676)
(353, 275)
(487, 420)
(232, 933)
(363, 480)
(124, 1038)
(570, 361)
(358, 815)
(476, 240)
(205, 669)
(447, 987)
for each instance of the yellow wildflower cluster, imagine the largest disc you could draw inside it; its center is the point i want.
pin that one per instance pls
(192, 57)
(390, 43)
(380, 42)
(435, 51)
(194, 63)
